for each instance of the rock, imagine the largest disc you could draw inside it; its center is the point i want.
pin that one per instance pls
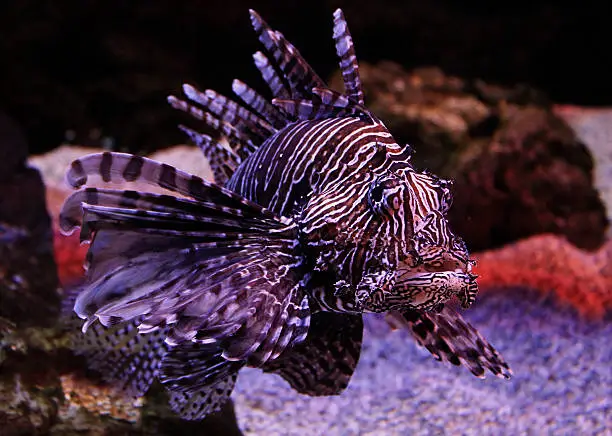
(14, 152)
(594, 127)
(519, 169)
(28, 277)
(552, 267)
(26, 410)
(534, 176)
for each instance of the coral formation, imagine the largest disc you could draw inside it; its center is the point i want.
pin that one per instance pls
(80, 392)
(551, 265)
(594, 127)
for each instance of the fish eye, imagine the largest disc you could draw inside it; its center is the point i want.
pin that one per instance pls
(376, 193)
(385, 194)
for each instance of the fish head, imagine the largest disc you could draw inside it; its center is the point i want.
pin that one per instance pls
(385, 242)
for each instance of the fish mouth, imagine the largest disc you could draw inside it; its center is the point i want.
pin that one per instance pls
(425, 290)
(422, 288)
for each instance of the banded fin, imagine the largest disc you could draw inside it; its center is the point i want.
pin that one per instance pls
(198, 379)
(245, 215)
(190, 366)
(197, 405)
(324, 363)
(325, 104)
(449, 338)
(123, 167)
(225, 274)
(239, 300)
(222, 160)
(128, 361)
(259, 104)
(299, 93)
(229, 111)
(348, 61)
(272, 79)
(296, 71)
(208, 222)
(240, 142)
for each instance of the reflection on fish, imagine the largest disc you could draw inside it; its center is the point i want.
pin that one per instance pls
(316, 217)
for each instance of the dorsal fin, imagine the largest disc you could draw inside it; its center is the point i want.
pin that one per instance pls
(259, 104)
(227, 110)
(298, 73)
(276, 85)
(348, 60)
(325, 103)
(222, 160)
(240, 142)
(298, 93)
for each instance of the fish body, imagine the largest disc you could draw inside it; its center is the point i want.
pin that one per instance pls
(316, 217)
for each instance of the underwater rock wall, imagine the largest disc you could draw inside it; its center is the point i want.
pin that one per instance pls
(29, 297)
(28, 277)
(518, 167)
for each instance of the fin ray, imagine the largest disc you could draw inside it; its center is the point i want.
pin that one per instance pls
(348, 61)
(298, 73)
(324, 363)
(449, 338)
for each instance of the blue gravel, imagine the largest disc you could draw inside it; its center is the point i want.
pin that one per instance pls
(562, 383)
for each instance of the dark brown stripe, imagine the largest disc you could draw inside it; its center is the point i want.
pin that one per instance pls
(196, 188)
(79, 173)
(105, 166)
(91, 196)
(128, 197)
(167, 176)
(69, 221)
(133, 169)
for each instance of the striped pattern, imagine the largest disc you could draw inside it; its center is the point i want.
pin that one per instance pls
(449, 338)
(125, 358)
(325, 362)
(348, 60)
(287, 59)
(316, 217)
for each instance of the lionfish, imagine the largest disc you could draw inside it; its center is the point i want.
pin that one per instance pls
(317, 216)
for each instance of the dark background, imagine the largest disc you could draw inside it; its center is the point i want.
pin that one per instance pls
(107, 66)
